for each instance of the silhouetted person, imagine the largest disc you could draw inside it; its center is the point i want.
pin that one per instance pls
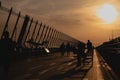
(6, 50)
(80, 53)
(62, 49)
(68, 48)
(89, 48)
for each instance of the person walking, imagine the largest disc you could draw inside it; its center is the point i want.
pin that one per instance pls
(89, 48)
(80, 53)
(62, 49)
(68, 48)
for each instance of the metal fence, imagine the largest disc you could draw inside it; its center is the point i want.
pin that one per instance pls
(30, 33)
(110, 51)
(26, 31)
(112, 46)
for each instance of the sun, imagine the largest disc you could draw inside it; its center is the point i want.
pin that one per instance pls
(108, 13)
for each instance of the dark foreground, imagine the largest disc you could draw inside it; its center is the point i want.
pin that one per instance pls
(59, 67)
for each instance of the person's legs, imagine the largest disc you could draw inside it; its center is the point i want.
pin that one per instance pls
(88, 52)
(78, 60)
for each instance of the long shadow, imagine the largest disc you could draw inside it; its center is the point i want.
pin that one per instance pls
(71, 74)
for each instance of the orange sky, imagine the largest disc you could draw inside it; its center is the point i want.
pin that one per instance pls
(76, 18)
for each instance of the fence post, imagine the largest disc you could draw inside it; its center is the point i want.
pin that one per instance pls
(38, 32)
(59, 37)
(52, 36)
(45, 33)
(15, 25)
(41, 33)
(46, 39)
(0, 4)
(53, 40)
(31, 21)
(32, 37)
(6, 25)
(56, 39)
(23, 30)
(49, 36)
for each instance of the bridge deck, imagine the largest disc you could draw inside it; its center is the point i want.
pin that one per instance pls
(100, 70)
(59, 67)
(95, 72)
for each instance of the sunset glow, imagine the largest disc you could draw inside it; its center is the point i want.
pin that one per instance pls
(81, 19)
(107, 13)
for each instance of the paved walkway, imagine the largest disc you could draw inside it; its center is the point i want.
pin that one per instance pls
(100, 70)
(95, 72)
(59, 67)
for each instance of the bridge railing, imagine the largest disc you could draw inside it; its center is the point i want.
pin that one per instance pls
(30, 34)
(112, 46)
(110, 51)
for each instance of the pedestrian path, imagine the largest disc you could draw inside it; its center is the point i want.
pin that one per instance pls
(95, 72)
(90, 70)
(59, 67)
(100, 70)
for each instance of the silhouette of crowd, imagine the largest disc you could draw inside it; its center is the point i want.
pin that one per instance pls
(82, 50)
(65, 48)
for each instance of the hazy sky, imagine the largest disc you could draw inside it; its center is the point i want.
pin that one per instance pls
(76, 18)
